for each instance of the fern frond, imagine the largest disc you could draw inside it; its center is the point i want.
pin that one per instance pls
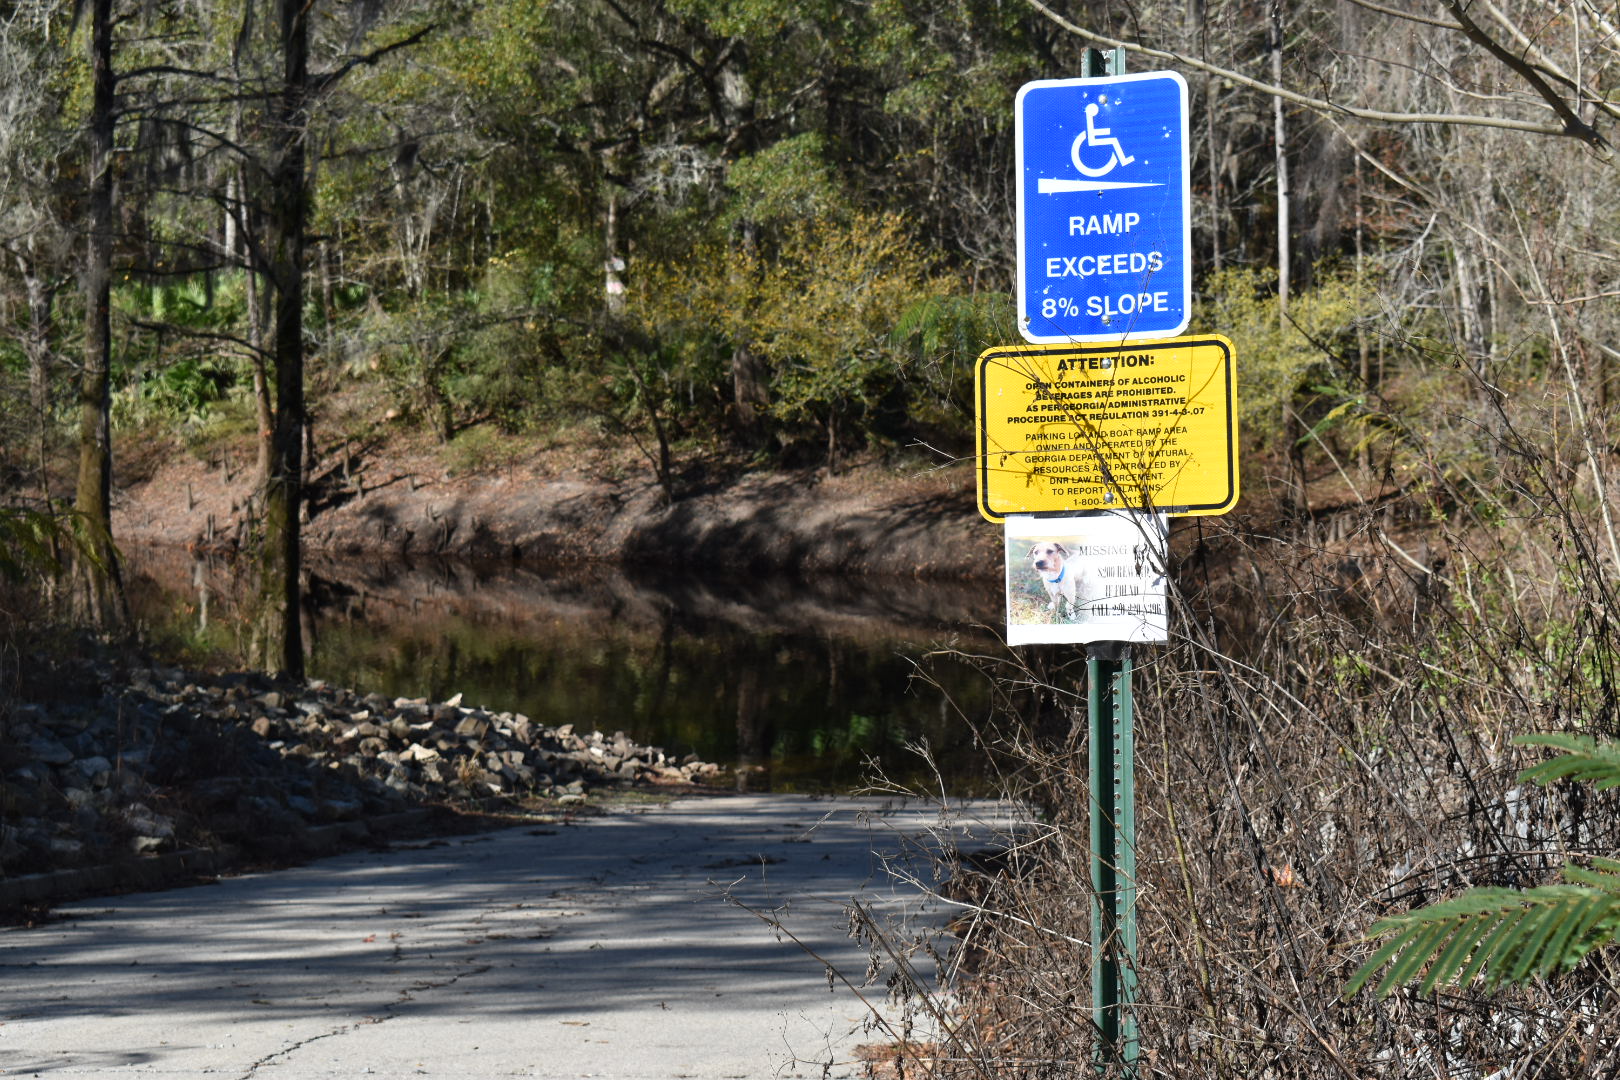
(26, 542)
(1504, 935)
(1584, 759)
(1605, 875)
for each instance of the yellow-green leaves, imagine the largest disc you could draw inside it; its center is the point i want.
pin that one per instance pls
(819, 306)
(786, 182)
(1278, 355)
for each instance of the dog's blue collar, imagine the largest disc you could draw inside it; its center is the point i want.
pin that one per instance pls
(1059, 578)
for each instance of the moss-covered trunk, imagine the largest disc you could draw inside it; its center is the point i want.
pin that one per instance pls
(280, 593)
(98, 586)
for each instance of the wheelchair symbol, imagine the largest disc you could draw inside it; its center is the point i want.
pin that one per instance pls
(1097, 136)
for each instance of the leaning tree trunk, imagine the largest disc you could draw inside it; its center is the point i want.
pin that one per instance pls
(280, 594)
(98, 585)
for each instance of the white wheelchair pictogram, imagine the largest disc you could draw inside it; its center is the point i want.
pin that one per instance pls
(1097, 136)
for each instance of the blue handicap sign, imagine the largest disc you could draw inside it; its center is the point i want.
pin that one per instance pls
(1104, 217)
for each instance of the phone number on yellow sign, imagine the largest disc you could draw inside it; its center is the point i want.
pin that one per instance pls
(1151, 425)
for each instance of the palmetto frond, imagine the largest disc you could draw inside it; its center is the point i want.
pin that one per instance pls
(1510, 935)
(1504, 935)
(1584, 759)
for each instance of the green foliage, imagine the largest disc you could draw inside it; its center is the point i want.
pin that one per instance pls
(411, 349)
(1352, 415)
(196, 302)
(824, 314)
(1501, 935)
(785, 182)
(482, 449)
(468, 356)
(12, 358)
(1510, 935)
(185, 391)
(954, 329)
(820, 310)
(1276, 357)
(943, 336)
(1584, 759)
(29, 543)
(859, 734)
(180, 362)
(500, 362)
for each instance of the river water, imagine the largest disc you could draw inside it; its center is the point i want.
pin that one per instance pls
(799, 685)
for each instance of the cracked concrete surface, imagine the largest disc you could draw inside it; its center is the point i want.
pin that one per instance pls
(614, 947)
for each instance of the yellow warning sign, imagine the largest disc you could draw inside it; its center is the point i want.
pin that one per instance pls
(1145, 425)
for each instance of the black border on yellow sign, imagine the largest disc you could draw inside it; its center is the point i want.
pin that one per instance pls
(981, 435)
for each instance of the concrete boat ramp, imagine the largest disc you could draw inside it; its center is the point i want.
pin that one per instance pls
(617, 946)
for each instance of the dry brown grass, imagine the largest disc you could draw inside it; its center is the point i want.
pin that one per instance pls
(1325, 742)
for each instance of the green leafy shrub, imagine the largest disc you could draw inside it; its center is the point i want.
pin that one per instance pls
(942, 337)
(1277, 358)
(30, 543)
(179, 364)
(786, 181)
(466, 357)
(482, 449)
(819, 309)
(184, 391)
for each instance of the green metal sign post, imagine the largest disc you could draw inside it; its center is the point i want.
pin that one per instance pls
(1057, 119)
(1113, 855)
(1113, 814)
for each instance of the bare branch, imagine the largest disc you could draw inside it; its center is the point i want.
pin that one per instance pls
(170, 69)
(324, 82)
(1407, 15)
(246, 347)
(1543, 63)
(1575, 299)
(1573, 125)
(1585, 132)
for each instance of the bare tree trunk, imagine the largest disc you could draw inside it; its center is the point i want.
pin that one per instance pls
(750, 395)
(1284, 267)
(99, 591)
(663, 462)
(1363, 347)
(37, 347)
(281, 630)
(1194, 20)
(233, 199)
(328, 299)
(258, 305)
(1216, 170)
(612, 262)
(1293, 429)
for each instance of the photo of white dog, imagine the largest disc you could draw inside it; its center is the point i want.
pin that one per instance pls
(1076, 580)
(1063, 580)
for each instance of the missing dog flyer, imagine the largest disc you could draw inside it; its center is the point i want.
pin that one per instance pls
(1084, 579)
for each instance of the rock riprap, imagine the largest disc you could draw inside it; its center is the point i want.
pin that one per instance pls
(162, 758)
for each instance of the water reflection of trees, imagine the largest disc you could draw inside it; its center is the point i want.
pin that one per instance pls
(796, 682)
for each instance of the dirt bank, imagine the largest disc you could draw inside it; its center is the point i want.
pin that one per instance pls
(566, 506)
